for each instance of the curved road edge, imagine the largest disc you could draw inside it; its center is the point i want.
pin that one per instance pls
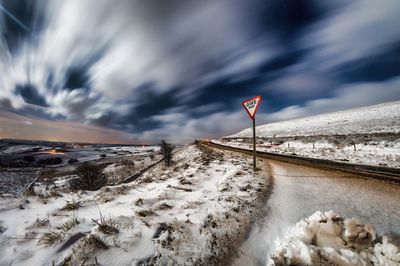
(376, 172)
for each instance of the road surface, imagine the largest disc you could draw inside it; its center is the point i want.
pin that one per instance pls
(300, 191)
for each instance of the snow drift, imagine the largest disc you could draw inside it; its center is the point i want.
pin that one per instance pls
(328, 239)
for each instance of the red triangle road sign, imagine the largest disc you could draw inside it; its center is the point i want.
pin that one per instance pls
(251, 106)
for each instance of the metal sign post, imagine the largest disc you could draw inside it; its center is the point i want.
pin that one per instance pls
(251, 106)
(254, 144)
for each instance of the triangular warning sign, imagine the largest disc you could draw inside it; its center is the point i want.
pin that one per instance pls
(251, 105)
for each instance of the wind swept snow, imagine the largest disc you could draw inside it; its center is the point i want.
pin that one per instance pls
(194, 212)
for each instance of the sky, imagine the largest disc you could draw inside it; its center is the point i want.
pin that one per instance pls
(133, 71)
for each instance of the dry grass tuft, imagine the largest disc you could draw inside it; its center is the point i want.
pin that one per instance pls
(192, 204)
(121, 190)
(71, 205)
(209, 154)
(147, 179)
(58, 235)
(184, 181)
(106, 226)
(83, 252)
(180, 188)
(95, 242)
(139, 202)
(40, 223)
(145, 213)
(68, 225)
(164, 206)
(50, 238)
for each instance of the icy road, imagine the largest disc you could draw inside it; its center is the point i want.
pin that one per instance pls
(300, 191)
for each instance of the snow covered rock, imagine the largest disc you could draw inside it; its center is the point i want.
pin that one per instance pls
(326, 239)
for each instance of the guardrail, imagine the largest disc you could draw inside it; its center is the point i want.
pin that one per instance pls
(376, 172)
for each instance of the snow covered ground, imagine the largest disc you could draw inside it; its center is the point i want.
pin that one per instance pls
(17, 153)
(20, 164)
(368, 135)
(16, 149)
(194, 212)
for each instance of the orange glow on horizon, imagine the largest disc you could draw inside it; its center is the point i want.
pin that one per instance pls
(54, 152)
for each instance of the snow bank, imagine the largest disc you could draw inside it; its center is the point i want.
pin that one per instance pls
(327, 238)
(379, 153)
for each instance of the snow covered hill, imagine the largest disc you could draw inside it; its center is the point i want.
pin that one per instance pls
(382, 118)
(368, 135)
(192, 213)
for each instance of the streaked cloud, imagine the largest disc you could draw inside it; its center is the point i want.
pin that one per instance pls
(179, 69)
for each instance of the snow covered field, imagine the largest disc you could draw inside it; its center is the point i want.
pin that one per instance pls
(368, 135)
(194, 212)
(20, 164)
(12, 155)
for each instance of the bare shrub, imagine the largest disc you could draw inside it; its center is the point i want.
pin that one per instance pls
(127, 162)
(90, 177)
(29, 158)
(50, 161)
(166, 150)
(48, 174)
(73, 160)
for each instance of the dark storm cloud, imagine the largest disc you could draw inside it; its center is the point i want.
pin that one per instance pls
(373, 68)
(179, 69)
(20, 12)
(288, 18)
(76, 78)
(30, 95)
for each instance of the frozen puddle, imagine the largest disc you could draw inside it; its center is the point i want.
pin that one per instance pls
(298, 192)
